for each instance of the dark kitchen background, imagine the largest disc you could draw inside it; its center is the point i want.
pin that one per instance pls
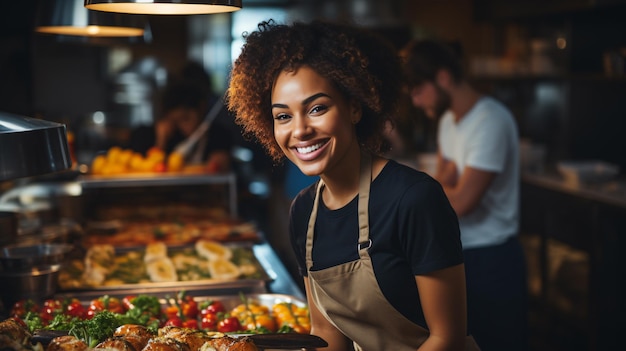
(568, 98)
(560, 65)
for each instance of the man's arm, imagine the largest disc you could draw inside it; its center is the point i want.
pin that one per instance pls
(446, 173)
(465, 195)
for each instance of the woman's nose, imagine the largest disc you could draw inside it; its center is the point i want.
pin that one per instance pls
(301, 127)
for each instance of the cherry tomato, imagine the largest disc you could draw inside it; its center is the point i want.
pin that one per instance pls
(53, 305)
(212, 307)
(127, 302)
(51, 308)
(184, 306)
(174, 322)
(75, 308)
(189, 307)
(209, 322)
(112, 304)
(172, 312)
(190, 323)
(228, 325)
(21, 307)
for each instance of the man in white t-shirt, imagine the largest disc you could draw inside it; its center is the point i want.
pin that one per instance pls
(478, 167)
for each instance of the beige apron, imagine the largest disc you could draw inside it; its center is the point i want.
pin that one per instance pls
(349, 296)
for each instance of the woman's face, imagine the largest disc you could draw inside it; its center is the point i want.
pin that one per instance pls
(313, 121)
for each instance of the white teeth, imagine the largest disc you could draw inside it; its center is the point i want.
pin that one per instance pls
(308, 149)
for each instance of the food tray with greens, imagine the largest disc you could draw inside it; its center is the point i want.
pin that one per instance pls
(267, 320)
(156, 265)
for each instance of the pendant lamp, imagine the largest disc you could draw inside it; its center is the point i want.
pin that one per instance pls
(30, 147)
(165, 7)
(70, 17)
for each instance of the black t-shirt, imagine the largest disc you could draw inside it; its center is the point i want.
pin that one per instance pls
(413, 229)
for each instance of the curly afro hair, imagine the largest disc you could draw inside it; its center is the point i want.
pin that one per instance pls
(362, 65)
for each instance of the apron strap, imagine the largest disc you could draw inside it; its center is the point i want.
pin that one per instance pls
(311, 226)
(364, 242)
(365, 179)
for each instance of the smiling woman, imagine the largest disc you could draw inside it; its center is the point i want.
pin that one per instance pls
(319, 94)
(255, 71)
(308, 123)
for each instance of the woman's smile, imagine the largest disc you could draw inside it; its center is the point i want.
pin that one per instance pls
(309, 149)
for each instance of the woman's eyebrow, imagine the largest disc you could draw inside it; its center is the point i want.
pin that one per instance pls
(279, 106)
(313, 97)
(304, 102)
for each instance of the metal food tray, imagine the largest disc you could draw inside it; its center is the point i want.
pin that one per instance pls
(164, 179)
(201, 286)
(154, 179)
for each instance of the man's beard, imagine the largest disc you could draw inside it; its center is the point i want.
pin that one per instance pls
(443, 102)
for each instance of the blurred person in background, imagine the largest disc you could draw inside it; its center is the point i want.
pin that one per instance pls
(184, 104)
(478, 167)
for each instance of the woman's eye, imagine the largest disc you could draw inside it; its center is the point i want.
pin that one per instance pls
(318, 109)
(281, 117)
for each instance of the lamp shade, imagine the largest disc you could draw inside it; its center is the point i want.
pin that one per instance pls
(70, 17)
(30, 147)
(165, 7)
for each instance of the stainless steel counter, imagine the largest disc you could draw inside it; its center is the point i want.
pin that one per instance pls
(282, 282)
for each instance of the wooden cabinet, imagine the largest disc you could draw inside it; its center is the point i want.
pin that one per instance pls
(584, 291)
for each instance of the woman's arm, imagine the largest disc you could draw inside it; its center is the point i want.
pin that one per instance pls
(321, 327)
(443, 299)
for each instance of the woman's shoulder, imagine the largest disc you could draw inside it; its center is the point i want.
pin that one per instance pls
(398, 174)
(304, 199)
(401, 182)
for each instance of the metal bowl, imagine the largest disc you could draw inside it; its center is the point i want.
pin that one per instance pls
(37, 284)
(25, 258)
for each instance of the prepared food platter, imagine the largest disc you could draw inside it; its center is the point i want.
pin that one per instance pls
(248, 322)
(104, 267)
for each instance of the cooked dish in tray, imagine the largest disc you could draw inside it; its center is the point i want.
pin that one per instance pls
(105, 266)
